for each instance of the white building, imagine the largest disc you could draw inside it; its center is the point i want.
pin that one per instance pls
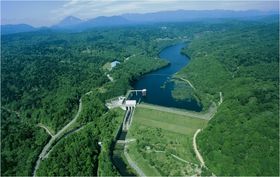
(114, 64)
(130, 103)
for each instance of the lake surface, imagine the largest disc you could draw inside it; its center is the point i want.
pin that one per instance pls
(159, 85)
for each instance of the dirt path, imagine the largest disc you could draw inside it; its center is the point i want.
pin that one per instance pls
(11, 111)
(46, 128)
(198, 155)
(221, 99)
(207, 115)
(110, 78)
(187, 82)
(176, 157)
(182, 160)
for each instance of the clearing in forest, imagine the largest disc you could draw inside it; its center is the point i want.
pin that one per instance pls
(163, 143)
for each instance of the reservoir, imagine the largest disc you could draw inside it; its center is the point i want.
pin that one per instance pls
(159, 84)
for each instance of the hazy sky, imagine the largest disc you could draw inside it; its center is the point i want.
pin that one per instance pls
(46, 13)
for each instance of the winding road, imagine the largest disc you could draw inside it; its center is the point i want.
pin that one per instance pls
(46, 149)
(198, 155)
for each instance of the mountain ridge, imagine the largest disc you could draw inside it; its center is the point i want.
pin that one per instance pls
(68, 22)
(75, 24)
(16, 28)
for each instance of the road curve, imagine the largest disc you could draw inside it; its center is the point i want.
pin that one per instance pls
(198, 155)
(56, 136)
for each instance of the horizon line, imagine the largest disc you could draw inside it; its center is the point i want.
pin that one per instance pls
(90, 18)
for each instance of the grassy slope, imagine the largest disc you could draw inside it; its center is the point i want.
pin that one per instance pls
(162, 131)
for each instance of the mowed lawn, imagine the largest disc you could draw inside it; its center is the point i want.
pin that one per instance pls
(159, 135)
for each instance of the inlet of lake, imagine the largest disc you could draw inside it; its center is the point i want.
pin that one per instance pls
(159, 84)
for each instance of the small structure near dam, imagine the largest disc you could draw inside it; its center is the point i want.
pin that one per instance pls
(115, 102)
(121, 102)
(125, 104)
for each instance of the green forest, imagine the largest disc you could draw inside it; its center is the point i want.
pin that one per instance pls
(243, 64)
(44, 74)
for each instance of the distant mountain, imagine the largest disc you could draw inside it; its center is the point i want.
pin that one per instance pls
(101, 21)
(159, 17)
(108, 21)
(74, 24)
(105, 21)
(191, 15)
(68, 22)
(10, 29)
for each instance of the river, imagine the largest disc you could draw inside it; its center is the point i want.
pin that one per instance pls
(159, 84)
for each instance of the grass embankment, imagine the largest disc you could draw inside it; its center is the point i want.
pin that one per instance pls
(160, 138)
(207, 115)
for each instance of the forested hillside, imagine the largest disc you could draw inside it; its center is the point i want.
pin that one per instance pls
(44, 74)
(243, 64)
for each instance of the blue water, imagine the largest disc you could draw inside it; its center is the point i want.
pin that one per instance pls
(153, 82)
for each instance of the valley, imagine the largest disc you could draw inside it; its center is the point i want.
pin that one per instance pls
(210, 108)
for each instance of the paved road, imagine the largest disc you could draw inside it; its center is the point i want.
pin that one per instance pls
(66, 135)
(129, 160)
(56, 136)
(72, 121)
(132, 164)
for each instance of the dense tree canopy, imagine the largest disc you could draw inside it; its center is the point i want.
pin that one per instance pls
(243, 64)
(44, 74)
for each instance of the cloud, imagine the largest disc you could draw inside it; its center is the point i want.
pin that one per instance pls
(89, 9)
